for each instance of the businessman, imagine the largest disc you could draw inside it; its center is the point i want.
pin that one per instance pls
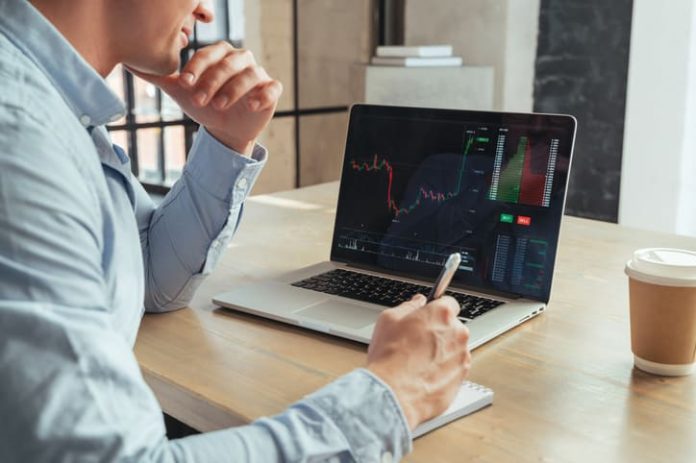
(83, 251)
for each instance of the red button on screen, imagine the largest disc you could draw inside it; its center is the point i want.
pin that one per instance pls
(524, 220)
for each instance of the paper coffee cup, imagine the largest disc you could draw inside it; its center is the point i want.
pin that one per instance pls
(662, 291)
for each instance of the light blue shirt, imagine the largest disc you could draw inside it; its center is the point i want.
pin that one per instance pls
(83, 251)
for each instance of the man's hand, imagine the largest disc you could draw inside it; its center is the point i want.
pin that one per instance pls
(421, 352)
(223, 89)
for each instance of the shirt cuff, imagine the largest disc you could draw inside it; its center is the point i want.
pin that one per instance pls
(367, 412)
(221, 171)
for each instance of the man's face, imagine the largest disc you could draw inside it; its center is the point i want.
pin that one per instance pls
(153, 32)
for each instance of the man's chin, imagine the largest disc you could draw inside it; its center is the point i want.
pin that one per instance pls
(163, 68)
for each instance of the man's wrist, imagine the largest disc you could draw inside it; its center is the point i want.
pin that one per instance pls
(411, 414)
(241, 146)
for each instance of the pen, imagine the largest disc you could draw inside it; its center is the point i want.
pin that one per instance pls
(443, 280)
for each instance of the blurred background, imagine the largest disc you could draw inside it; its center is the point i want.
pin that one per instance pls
(624, 68)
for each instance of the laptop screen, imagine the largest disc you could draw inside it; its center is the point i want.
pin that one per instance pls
(420, 184)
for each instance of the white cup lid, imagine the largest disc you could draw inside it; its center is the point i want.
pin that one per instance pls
(663, 266)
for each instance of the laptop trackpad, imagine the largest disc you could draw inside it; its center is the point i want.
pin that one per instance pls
(341, 313)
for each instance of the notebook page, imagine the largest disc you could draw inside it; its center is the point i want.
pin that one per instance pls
(470, 398)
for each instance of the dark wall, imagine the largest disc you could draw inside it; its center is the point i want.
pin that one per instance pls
(582, 69)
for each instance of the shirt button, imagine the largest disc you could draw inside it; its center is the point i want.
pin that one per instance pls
(85, 120)
(242, 183)
(387, 457)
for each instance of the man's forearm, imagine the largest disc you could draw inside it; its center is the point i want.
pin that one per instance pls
(188, 232)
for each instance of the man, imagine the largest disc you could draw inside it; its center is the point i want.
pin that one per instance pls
(83, 250)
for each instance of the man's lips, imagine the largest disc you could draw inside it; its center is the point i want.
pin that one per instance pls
(185, 34)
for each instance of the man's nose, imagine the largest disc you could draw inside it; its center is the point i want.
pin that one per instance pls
(204, 12)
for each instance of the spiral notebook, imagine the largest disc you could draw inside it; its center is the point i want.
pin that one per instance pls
(470, 398)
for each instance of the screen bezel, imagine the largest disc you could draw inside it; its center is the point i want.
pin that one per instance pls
(564, 122)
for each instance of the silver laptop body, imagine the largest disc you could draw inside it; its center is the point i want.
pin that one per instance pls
(491, 186)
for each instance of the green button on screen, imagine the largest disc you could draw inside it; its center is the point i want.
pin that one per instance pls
(507, 218)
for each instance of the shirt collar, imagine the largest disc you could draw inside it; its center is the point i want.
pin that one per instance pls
(84, 90)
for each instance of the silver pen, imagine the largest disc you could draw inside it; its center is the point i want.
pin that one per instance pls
(443, 281)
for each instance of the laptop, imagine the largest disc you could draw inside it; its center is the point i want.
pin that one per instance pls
(418, 185)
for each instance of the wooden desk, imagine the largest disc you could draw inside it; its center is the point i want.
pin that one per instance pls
(565, 385)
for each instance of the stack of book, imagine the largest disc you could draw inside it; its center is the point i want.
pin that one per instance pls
(415, 55)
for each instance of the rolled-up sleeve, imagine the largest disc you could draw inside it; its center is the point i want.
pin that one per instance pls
(183, 238)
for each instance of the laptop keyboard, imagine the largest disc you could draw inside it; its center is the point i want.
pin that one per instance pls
(387, 292)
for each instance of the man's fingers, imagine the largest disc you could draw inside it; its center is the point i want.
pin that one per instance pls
(416, 302)
(463, 334)
(465, 364)
(445, 309)
(212, 55)
(221, 75)
(265, 97)
(231, 91)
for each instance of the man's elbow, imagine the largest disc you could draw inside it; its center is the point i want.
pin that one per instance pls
(159, 301)
(152, 307)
